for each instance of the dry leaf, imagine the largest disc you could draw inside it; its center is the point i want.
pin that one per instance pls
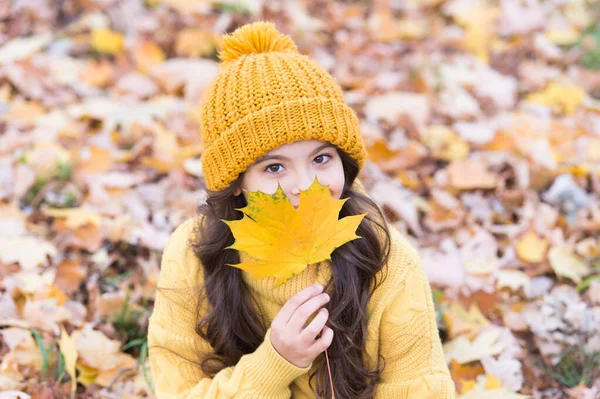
(514, 279)
(464, 351)
(393, 105)
(532, 248)
(98, 73)
(67, 348)
(107, 41)
(445, 144)
(75, 217)
(23, 47)
(566, 264)
(99, 357)
(46, 157)
(147, 56)
(69, 275)
(467, 175)
(459, 321)
(29, 252)
(566, 97)
(24, 113)
(194, 43)
(94, 159)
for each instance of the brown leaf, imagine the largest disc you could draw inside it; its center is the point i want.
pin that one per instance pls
(468, 175)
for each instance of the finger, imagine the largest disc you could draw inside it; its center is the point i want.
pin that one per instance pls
(309, 334)
(304, 311)
(288, 309)
(322, 343)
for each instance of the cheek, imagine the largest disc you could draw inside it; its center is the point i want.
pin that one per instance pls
(335, 179)
(254, 182)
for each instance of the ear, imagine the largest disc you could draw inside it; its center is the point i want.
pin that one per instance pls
(237, 191)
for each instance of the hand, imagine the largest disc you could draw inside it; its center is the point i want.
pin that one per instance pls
(299, 345)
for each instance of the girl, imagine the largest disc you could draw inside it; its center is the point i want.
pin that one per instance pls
(274, 116)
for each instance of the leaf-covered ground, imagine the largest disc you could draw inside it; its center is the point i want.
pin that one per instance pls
(482, 120)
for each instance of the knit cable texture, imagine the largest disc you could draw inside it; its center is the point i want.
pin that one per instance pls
(401, 328)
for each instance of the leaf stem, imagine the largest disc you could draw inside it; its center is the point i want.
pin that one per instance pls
(312, 281)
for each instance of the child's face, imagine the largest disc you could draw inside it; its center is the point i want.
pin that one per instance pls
(295, 166)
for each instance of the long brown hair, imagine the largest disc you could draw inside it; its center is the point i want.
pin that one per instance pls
(232, 325)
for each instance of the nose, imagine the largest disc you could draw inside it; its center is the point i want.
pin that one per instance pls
(302, 182)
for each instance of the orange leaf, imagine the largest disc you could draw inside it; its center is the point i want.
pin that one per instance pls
(148, 55)
(531, 247)
(284, 241)
(194, 43)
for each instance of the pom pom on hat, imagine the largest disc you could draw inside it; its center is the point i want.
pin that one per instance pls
(254, 38)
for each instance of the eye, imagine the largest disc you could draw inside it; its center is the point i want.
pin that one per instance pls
(320, 159)
(271, 168)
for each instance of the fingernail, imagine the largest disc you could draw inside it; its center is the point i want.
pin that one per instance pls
(319, 287)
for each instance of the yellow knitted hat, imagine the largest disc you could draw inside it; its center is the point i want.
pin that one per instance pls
(268, 94)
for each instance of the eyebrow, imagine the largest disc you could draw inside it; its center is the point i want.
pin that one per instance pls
(281, 157)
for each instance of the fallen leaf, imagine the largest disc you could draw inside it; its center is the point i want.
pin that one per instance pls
(107, 41)
(566, 264)
(23, 47)
(147, 56)
(504, 372)
(46, 157)
(94, 159)
(531, 247)
(464, 351)
(566, 97)
(99, 358)
(75, 217)
(481, 392)
(69, 275)
(194, 43)
(29, 252)
(563, 36)
(67, 348)
(468, 175)
(392, 105)
(464, 375)
(514, 279)
(445, 144)
(98, 73)
(24, 113)
(459, 321)
(23, 349)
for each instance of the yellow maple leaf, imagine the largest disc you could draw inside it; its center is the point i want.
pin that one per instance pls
(107, 41)
(489, 387)
(477, 22)
(67, 348)
(531, 247)
(566, 97)
(283, 240)
(492, 382)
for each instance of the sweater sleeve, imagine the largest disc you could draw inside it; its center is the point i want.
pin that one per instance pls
(415, 366)
(175, 349)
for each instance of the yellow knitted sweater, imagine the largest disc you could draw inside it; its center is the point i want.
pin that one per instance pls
(401, 327)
